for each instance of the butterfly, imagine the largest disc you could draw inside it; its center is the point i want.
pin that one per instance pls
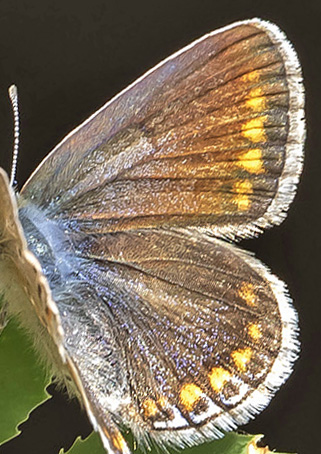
(119, 258)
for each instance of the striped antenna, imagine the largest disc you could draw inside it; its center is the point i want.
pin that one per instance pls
(13, 94)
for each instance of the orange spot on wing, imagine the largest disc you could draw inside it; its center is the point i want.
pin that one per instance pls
(254, 129)
(252, 161)
(218, 377)
(150, 408)
(246, 292)
(241, 358)
(253, 76)
(162, 401)
(256, 101)
(189, 395)
(243, 189)
(254, 331)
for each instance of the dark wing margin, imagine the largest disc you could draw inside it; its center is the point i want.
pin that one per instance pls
(211, 138)
(208, 333)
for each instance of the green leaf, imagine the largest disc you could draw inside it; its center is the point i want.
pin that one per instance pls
(23, 381)
(91, 445)
(232, 443)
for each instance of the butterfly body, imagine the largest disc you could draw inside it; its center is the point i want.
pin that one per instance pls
(117, 243)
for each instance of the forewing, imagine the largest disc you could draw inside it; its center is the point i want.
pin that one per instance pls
(211, 138)
(208, 333)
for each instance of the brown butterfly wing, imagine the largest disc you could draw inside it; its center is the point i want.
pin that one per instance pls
(211, 138)
(207, 332)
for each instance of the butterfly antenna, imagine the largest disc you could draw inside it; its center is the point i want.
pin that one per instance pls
(13, 94)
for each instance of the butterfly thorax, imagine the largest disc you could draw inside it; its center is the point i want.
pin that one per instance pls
(49, 244)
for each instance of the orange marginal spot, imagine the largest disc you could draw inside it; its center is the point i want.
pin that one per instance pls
(241, 357)
(254, 129)
(218, 377)
(257, 102)
(246, 292)
(254, 331)
(150, 408)
(162, 401)
(242, 189)
(119, 442)
(252, 161)
(189, 395)
(253, 76)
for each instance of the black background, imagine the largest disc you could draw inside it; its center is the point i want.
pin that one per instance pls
(68, 58)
